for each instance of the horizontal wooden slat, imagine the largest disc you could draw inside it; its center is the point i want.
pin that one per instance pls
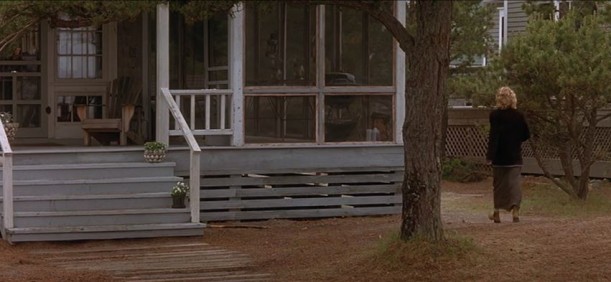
(212, 173)
(175, 132)
(299, 191)
(304, 213)
(300, 202)
(178, 92)
(300, 179)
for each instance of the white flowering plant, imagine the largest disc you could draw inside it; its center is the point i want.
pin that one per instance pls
(6, 118)
(181, 189)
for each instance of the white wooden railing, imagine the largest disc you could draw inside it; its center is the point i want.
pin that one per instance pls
(195, 150)
(223, 97)
(7, 182)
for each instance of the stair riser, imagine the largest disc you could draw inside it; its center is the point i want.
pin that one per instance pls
(91, 204)
(95, 188)
(103, 156)
(105, 235)
(90, 173)
(91, 220)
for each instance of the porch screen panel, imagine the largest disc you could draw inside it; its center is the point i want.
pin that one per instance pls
(79, 53)
(218, 52)
(21, 83)
(358, 49)
(280, 119)
(280, 45)
(200, 57)
(358, 118)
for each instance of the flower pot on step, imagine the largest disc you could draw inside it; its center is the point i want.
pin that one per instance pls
(154, 156)
(178, 202)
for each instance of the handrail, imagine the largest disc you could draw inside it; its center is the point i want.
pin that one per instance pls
(7, 182)
(195, 150)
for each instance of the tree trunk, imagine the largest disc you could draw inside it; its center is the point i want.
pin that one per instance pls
(428, 65)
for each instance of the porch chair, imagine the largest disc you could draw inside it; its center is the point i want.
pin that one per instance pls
(119, 111)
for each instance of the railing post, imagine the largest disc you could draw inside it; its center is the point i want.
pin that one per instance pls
(7, 191)
(194, 178)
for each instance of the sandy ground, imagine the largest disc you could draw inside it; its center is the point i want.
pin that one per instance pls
(539, 248)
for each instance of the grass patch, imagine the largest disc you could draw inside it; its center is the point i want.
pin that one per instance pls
(547, 199)
(418, 258)
(470, 203)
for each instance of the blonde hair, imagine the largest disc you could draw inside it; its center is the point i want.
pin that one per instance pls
(506, 98)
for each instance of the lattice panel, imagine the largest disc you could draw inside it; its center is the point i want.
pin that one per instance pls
(471, 141)
(468, 141)
(602, 139)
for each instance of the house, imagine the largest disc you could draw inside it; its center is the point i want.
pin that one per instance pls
(291, 112)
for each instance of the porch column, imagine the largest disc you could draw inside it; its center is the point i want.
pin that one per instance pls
(236, 76)
(162, 119)
(400, 13)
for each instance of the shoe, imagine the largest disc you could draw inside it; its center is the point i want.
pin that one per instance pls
(495, 217)
(515, 213)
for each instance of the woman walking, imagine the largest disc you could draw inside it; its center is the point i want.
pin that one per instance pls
(508, 129)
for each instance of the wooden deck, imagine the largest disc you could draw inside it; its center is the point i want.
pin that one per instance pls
(151, 260)
(51, 184)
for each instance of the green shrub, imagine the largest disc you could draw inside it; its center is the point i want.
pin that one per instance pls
(458, 170)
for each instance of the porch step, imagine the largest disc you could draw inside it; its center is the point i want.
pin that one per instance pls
(106, 200)
(125, 185)
(91, 171)
(104, 232)
(101, 217)
(92, 202)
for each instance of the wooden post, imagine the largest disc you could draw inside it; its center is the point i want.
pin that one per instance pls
(400, 13)
(7, 183)
(320, 73)
(194, 200)
(162, 132)
(236, 67)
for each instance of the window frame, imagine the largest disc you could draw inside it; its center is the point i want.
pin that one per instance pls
(320, 90)
(104, 56)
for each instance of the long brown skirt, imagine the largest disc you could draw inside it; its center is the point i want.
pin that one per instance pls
(507, 187)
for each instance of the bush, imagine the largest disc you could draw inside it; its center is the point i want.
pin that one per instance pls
(459, 170)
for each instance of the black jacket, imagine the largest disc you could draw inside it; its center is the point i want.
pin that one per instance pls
(508, 129)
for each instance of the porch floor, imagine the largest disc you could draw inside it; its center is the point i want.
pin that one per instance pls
(162, 259)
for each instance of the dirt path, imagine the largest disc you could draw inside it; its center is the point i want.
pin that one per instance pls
(539, 248)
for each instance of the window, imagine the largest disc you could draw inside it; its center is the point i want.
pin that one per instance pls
(79, 53)
(358, 55)
(562, 8)
(502, 28)
(280, 119)
(357, 118)
(200, 59)
(66, 107)
(358, 49)
(284, 102)
(280, 45)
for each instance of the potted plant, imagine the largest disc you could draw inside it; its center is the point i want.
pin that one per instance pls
(10, 127)
(154, 151)
(179, 193)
